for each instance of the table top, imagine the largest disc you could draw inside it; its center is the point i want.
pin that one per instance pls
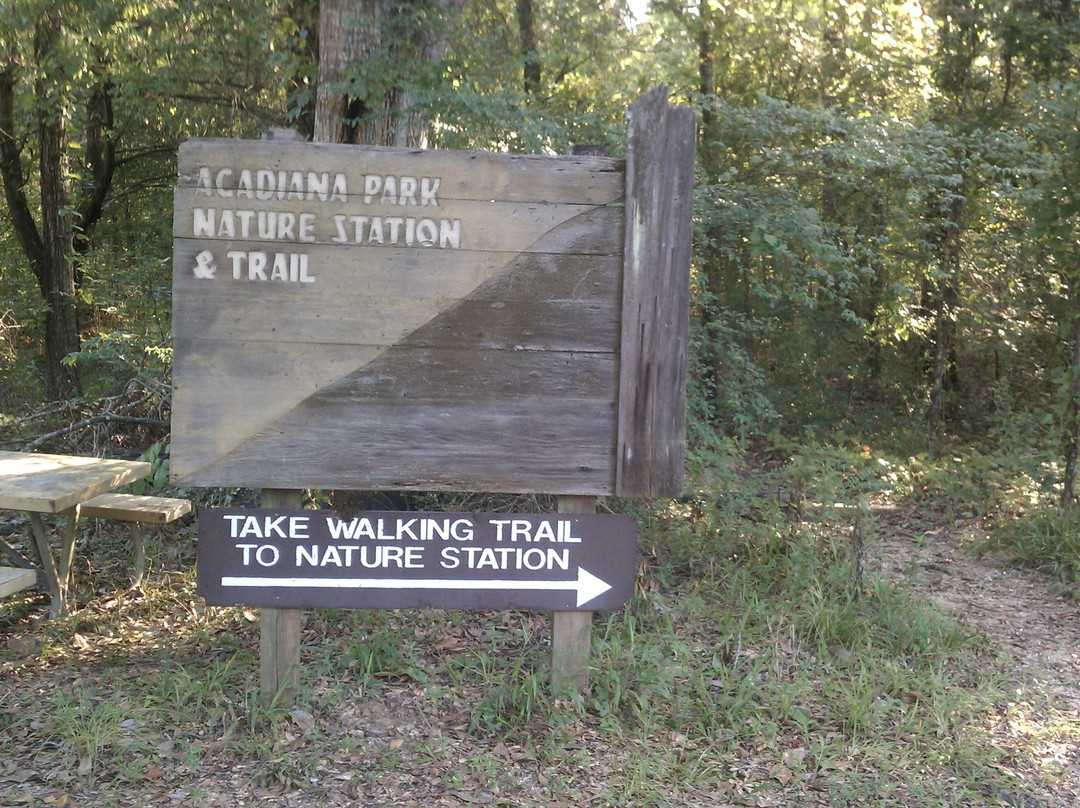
(52, 483)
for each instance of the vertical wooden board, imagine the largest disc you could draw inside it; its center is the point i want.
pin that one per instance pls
(656, 297)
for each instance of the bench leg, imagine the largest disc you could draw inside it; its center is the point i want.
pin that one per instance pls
(57, 576)
(138, 536)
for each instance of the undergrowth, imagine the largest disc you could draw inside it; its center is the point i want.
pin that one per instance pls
(758, 654)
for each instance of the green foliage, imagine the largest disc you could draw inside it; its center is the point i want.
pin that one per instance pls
(1045, 538)
(384, 653)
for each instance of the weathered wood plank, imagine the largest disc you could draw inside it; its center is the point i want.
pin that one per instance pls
(462, 445)
(52, 483)
(365, 303)
(279, 631)
(656, 297)
(571, 632)
(455, 226)
(135, 508)
(463, 175)
(384, 407)
(14, 580)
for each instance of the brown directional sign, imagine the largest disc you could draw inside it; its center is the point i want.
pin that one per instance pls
(391, 560)
(359, 317)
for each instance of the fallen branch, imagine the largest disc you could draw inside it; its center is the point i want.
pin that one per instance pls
(92, 421)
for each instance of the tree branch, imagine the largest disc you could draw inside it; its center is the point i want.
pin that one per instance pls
(11, 170)
(100, 161)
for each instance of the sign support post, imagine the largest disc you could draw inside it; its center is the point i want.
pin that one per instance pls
(279, 629)
(571, 632)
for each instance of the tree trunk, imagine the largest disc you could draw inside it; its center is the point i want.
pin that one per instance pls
(1072, 420)
(947, 246)
(530, 56)
(57, 279)
(410, 33)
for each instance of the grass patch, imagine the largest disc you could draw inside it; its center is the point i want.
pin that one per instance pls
(758, 662)
(1047, 539)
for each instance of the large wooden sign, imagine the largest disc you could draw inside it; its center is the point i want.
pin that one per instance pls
(351, 317)
(397, 560)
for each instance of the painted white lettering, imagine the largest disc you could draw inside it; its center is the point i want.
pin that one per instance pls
(450, 234)
(375, 234)
(318, 186)
(296, 186)
(395, 224)
(564, 533)
(544, 531)
(372, 184)
(238, 259)
(226, 225)
(251, 528)
(267, 224)
(339, 529)
(202, 222)
(358, 227)
(429, 186)
(427, 232)
(389, 191)
(286, 227)
(256, 265)
(339, 223)
(202, 184)
(273, 526)
(245, 217)
(304, 276)
(244, 186)
(407, 191)
(222, 182)
(265, 184)
(307, 227)
(267, 555)
(339, 193)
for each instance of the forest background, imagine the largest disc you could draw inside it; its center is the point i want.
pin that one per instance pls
(885, 242)
(885, 343)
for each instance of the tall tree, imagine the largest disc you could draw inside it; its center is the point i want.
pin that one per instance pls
(371, 54)
(93, 89)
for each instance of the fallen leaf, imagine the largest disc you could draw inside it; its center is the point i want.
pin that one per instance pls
(20, 776)
(794, 757)
(304, 720)
(154, 772)
(86, 764)
(782, 775)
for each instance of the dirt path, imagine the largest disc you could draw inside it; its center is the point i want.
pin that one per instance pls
(1034, 621)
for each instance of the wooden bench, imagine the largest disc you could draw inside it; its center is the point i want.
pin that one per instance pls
(136, 510)
(16, 579)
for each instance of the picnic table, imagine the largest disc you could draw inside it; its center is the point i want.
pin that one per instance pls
(58, 484)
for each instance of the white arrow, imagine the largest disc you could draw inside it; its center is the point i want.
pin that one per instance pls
(588, 586)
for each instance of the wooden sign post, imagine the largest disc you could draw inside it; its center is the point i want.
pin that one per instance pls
(373, 318)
